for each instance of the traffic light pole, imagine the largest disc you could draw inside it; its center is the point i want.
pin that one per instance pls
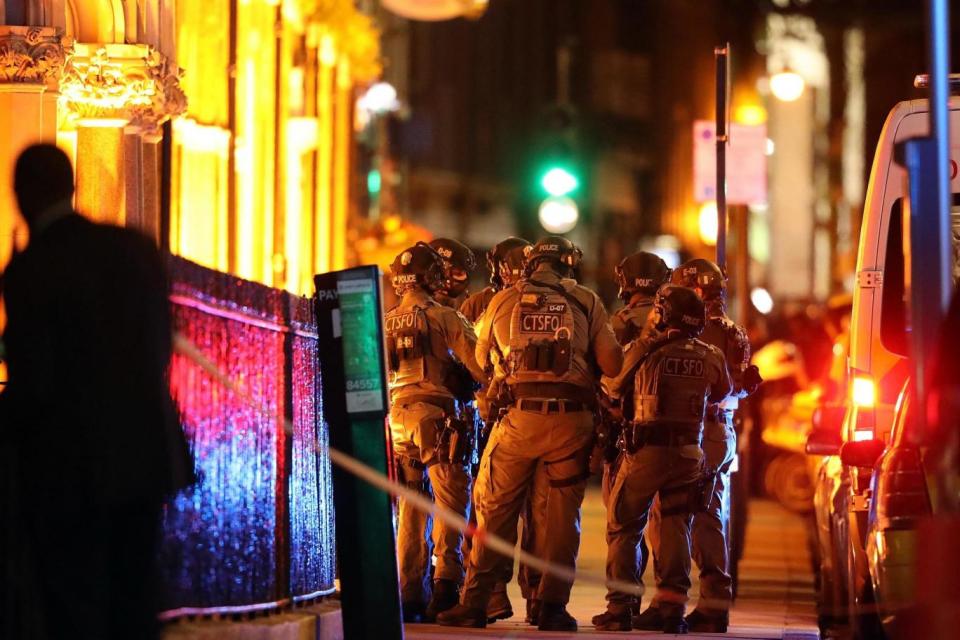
(721, 54)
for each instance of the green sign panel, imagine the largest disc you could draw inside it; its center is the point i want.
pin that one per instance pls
(361, 351)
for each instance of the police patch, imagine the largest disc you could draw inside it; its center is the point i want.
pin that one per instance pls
(683, 367)
(540, 322)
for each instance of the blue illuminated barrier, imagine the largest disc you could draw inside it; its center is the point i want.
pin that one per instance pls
(256, 531)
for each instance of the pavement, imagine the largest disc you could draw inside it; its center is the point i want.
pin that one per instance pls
(776, 598)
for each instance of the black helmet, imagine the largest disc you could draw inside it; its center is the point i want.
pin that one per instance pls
(419, 266)
(641, 273)
(679, 308)
(458, 262)
(702, 274)
(556, 249)
(505, 261)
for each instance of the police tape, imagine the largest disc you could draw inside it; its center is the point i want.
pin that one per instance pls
(184, 347)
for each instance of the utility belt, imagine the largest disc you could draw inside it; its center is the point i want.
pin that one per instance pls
(456, 431)
(660, 434)
(543, 405)
(554, 390)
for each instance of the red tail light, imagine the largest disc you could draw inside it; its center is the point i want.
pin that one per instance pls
(901, 491)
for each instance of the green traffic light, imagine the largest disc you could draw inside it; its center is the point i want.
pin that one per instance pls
(559, 182)
(374, 182)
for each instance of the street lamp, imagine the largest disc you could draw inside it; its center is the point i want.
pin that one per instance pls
(787, 85)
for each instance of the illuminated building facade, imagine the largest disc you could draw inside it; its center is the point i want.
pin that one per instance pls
(222, 128)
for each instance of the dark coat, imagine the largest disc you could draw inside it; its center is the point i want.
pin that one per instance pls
(87, 410)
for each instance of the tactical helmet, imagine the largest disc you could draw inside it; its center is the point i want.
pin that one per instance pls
(679, 308)
(418, 266)
(701, 274)
(458, 262)
(505, 261)
(555, 249)
(641, 273)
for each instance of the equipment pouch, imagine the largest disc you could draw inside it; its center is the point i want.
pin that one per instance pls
(561, 352)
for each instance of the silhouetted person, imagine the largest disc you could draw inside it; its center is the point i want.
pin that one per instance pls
(87, 414)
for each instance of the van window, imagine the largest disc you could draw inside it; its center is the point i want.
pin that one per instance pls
(894, 321)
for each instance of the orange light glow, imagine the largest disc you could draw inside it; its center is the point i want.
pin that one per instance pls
(864, 392)
(751, 114)
(708, 223)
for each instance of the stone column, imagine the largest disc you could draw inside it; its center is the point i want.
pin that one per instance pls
(118, 96)
(31, 60)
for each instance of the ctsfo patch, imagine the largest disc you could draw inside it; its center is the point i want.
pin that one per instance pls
(401, 321)
(683, 367)
(548, 319)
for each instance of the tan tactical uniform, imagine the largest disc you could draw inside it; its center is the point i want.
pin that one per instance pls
(548, 432)
(416, 419)
(673, 385)
(711, 528)
(629, 321)
(474, 306)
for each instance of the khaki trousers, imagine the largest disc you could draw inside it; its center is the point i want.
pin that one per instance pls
(640, 477)
(414, 428)
(711, 528)
(527, 448)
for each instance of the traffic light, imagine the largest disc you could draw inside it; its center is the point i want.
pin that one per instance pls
(559, 181)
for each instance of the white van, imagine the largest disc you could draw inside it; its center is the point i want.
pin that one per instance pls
(879, 343)
(879, 366)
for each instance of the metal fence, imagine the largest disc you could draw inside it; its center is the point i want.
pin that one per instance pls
(256, 531)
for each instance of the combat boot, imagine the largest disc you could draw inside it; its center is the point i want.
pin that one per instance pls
(649, 620)
(463, 616)
(613, 620)
(554, 617)
(446, 595)
(673, 621)
(499, 607)
(533, 611)
(708, 621)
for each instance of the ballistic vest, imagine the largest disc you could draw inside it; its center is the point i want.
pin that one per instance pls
(541, 335)
(674, 381)
(409, 356)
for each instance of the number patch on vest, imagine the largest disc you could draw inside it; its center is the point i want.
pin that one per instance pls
(540, 322)
(401, 321)
(683, 367)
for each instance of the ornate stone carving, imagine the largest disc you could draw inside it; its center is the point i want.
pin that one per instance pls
(32, 55)
(133, 82)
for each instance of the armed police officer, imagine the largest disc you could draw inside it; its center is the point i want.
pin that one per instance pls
(676, 379)
(505, 261)
(711, 527)
(458, 263)
(433, 448)
(638, 277)
(552, 335)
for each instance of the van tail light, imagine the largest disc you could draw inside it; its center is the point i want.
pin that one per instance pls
(901, 490)
(863, 392)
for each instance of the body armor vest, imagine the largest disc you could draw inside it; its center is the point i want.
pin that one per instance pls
(672, 384)
(408, 346)
(541, 336)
